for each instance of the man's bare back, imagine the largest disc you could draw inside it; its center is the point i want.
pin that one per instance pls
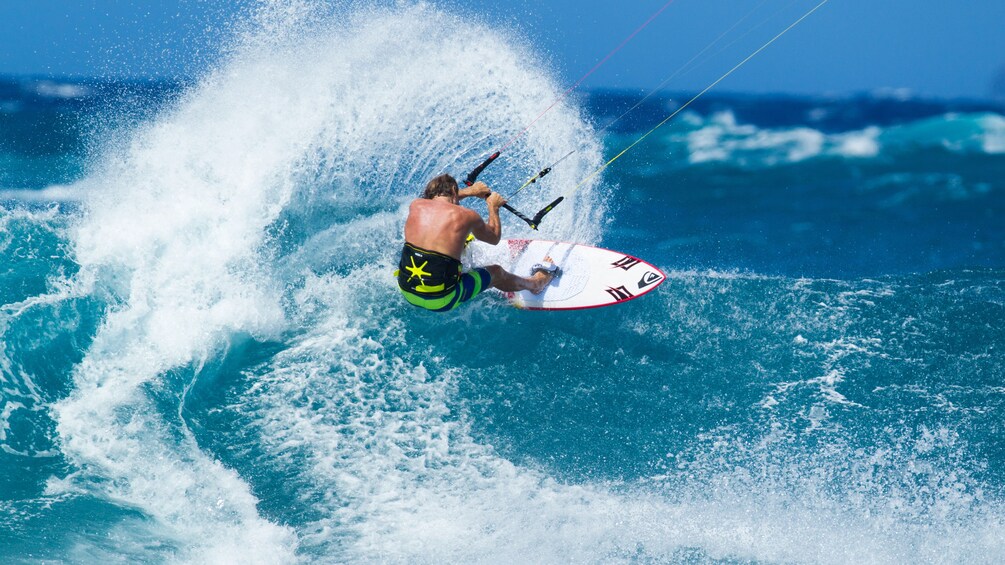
(440, 226)
(437, 223)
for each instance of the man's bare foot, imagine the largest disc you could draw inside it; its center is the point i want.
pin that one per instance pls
(544, 273)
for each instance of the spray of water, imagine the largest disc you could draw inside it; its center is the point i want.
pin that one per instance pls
(199, 220)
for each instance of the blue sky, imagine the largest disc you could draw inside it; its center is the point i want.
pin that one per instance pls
(930, 47)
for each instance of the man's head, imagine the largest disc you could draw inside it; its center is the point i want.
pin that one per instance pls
(443, 185)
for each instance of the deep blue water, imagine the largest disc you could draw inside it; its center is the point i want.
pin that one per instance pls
(205, 358)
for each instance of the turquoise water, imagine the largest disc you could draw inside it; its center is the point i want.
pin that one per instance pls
(205, 358)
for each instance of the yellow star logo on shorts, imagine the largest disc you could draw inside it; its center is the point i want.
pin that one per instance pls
(416, 271)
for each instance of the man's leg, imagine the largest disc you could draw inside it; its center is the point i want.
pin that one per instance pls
(508, 282)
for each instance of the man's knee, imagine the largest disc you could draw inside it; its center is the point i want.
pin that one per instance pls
(496, 272)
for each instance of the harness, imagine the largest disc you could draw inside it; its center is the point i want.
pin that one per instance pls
(427, 273)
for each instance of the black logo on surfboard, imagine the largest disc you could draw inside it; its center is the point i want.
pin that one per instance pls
(648, 279)
(626, 262)
(619, 293)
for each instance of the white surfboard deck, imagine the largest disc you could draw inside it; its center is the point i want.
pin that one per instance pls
(591, 276)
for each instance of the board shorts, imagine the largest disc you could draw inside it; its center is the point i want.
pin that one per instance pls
(469, 285)
(435, 281)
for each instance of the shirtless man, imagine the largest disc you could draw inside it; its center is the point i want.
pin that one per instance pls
(430, 274)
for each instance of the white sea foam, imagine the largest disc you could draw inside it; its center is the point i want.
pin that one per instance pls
(722, 139)
(958, 133)
(63, 90)
(53, 193)
(861, 144)
(994, 133)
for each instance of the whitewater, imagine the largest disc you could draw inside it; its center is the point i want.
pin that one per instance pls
(205, 358)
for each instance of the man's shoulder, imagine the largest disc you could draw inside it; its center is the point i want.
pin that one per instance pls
(422, 206)
(470, 214)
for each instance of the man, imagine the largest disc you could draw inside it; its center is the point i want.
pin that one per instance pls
(430, 274)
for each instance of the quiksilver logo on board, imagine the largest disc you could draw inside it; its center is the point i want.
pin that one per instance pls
(648, 279)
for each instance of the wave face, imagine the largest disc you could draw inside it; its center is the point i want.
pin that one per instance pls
(205, 357)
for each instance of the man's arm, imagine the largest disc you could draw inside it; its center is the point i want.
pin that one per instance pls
(479, 189)
(490, 231)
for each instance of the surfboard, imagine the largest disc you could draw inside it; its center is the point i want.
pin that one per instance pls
(591, 276)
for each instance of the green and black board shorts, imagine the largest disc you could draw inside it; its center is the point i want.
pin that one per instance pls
(435, 281)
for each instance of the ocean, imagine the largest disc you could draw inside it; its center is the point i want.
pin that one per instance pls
(205, 358)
